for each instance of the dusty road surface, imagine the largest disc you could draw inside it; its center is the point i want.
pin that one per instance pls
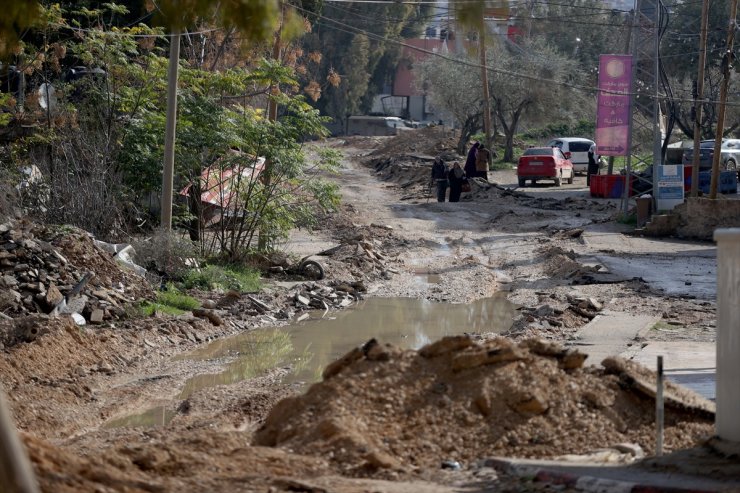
(517, 282)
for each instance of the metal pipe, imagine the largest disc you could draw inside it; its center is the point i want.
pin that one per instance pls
(659, 410)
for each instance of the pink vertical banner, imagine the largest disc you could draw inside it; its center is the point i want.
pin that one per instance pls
(613, 112)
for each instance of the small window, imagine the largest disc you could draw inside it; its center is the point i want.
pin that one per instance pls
(580, 146)
(556, 143)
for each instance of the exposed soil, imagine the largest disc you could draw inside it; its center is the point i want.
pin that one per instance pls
(382, 419)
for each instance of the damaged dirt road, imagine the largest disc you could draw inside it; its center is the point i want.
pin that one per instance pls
(125, 406)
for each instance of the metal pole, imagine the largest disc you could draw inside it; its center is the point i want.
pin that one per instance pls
(699, 98)
(484, 78)
(726, 421)
(168, 170)
(635, 58)
(657, 137)
(726, 64)
(659, 410)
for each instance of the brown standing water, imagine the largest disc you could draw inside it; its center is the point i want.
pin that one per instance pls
(307, 347)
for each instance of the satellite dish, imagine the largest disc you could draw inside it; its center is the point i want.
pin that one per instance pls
(47, 97)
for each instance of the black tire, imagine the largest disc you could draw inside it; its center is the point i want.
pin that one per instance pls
(559, 179)
(522, 181)
(311, 269)
(731, 165)
(570, 178)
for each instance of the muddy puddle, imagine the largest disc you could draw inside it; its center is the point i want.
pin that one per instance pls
(307, 347)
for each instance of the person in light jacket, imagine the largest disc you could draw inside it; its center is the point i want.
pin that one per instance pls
(482, 162)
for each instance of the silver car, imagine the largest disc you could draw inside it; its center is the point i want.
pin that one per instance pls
(730, 152)
(578, 149)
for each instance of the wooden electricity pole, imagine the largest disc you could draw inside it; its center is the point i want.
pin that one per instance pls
(484, 78)
(272, 114)
(168, 170)
(726, 64)
(699, 98)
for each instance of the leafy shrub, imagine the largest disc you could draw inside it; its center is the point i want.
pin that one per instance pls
(174, 298)
(170, 301)
(167, 253)
(211, 277)
(581, 128)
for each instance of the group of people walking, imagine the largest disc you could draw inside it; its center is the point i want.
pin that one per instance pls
(455, 177)
(444, 177)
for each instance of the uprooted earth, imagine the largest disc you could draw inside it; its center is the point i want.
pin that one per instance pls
(108, 401)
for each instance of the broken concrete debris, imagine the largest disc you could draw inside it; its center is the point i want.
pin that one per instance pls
(62, 272)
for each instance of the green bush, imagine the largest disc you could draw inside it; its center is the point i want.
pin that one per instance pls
(149, 308)
(176, 299)
(171, 302)
(581, 128)
(238, 278)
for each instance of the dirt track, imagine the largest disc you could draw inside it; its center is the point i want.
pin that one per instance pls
(67, 385)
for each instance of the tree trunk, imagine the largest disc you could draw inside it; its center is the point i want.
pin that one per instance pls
(194, 205)
(509, 146)
(469, 127)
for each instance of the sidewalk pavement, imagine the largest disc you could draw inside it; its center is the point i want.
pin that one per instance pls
(611, 333)
(688, 363)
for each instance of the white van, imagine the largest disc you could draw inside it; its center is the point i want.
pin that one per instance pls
(578, 149)
(375, 125)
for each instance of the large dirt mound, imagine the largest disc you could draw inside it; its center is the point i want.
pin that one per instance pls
(430, 141)
(382, 408)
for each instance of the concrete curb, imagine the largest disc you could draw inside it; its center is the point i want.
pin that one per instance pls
(588, 484)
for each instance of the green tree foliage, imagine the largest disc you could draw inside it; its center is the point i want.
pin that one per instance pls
(100, 146)
(445, 78)
(527, 80)
(359, 42)
(680, 44)
(680, 55)
(17, 16)
(581, 30)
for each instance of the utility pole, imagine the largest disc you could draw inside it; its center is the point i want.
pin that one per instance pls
(272, 111)
(726, 63)
(699, 98)
(168, 171)
(484, 78)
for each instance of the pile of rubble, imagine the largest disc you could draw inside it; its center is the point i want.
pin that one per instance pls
(430, 141)
(380, 408)
(59, 271)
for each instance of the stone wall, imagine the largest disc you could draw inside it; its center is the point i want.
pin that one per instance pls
(700, 216)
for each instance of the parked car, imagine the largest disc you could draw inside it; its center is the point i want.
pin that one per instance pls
(544, 163)
(730, 152)
(578, 149)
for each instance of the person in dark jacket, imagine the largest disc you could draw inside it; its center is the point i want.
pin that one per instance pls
(470, 161)
(593, 164)
(456, 177)
(439, 178)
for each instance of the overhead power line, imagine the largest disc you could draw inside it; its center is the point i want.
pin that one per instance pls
(354, 30)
